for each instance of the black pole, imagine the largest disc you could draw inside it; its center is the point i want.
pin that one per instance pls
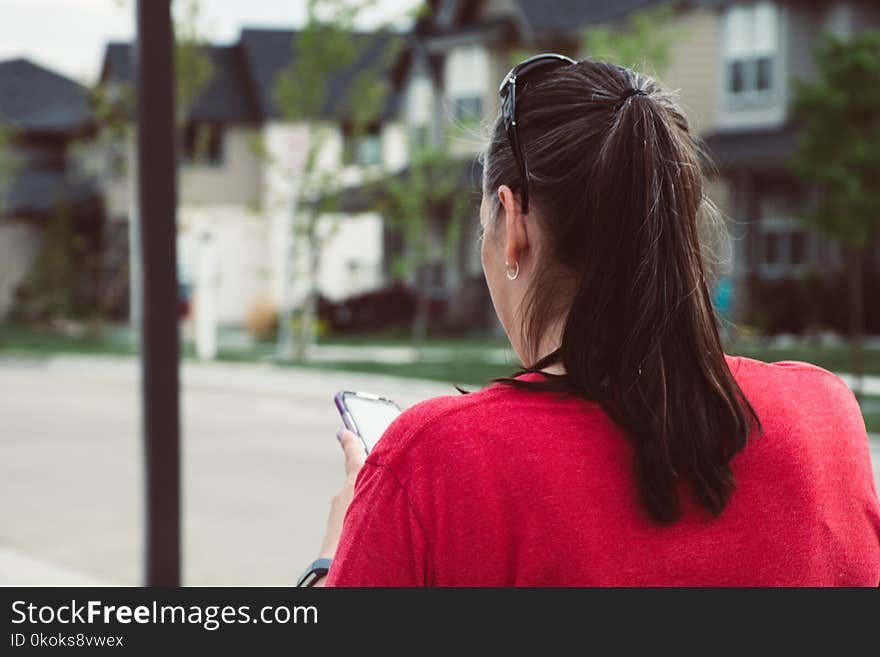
(160, 349)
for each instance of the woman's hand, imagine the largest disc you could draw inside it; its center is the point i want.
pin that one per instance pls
(355, 455)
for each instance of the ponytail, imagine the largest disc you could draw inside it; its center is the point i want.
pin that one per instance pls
(619, 191)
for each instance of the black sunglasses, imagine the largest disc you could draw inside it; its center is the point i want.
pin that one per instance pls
(519, 74)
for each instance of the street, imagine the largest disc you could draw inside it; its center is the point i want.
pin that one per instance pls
(260, 464)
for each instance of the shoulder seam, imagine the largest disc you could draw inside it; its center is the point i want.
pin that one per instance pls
(412, 507)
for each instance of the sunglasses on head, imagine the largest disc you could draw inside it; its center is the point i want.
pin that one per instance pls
(519, 75)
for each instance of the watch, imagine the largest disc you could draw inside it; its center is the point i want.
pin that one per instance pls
(316, 570)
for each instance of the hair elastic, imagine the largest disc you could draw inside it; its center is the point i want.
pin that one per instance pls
(626, 95)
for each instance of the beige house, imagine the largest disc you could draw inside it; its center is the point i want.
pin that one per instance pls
(238, 179)
(732, 64)
(461, 50)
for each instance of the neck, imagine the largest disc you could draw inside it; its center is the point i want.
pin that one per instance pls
(550, 341)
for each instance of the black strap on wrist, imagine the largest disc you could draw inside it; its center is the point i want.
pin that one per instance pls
(316, 570)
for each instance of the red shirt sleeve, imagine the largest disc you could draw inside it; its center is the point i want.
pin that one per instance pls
(383, 542)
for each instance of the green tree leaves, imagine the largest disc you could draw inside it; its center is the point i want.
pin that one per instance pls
(838, 148)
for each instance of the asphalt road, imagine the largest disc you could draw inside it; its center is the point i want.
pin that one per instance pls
(260, 464)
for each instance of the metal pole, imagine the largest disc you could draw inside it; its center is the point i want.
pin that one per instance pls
(160, 349)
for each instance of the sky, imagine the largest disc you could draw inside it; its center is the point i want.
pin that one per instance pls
(69, 36)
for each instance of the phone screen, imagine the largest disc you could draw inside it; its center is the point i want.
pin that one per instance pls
(370, 416)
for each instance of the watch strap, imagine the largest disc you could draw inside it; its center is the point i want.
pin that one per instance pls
(315, 571)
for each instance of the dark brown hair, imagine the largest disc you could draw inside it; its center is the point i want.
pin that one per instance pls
(617, 184)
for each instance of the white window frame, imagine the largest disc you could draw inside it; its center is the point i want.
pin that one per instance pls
(751, 33)
(354, 147)
(783, 228)
(466, 78)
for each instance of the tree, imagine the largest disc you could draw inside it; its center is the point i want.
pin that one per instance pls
(53, 287)
(643, 42)
(424, 201)
(838, 151)
(8, 161)
(193, 68)
(326, 49)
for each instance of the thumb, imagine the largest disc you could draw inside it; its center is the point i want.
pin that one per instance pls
(354, 450)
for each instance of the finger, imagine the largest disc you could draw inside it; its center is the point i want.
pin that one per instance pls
(353, 448)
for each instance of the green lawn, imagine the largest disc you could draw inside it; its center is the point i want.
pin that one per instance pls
(16, 339)
(403, 339)
(465, 363)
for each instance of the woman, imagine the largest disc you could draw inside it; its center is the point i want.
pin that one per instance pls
(631, 450)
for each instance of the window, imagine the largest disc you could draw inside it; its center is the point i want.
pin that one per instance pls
(750, 51)
(364, 147)
(797, 253)
(466, 77)
(784, 247)
(203, 143)
(468, 108)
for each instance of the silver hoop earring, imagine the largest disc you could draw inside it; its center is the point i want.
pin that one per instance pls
(512, 277)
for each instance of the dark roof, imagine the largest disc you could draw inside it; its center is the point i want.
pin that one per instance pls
(37, 189)
(228, 97)
(538, 15)
(118, 63)
(565, 15)
(268, 52)
(242, 89)
(751, 148)
(35, 99)
(480, 26)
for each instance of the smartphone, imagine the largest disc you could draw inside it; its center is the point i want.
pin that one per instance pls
(366, 415)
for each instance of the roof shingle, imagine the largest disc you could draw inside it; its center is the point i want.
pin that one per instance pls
(227, 97)
(242, 89)
(35, 99)
(268, 52)
(565, 15)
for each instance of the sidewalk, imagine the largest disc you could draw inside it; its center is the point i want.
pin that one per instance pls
(398, 355)
(263, 378)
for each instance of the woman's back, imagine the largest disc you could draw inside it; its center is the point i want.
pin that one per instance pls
(515, 487)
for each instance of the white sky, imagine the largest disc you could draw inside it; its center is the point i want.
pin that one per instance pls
(69, 35)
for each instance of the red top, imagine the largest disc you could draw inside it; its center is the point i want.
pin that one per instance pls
(511, 487)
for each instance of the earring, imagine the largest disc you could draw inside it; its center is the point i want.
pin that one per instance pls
(512, 277)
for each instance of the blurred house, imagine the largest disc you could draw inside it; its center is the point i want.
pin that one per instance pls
(733, 64)
(238, 176)
(764, 47)
(46, 115)
(461, 50)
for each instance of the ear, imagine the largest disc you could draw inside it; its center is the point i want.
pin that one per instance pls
(517, 237)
